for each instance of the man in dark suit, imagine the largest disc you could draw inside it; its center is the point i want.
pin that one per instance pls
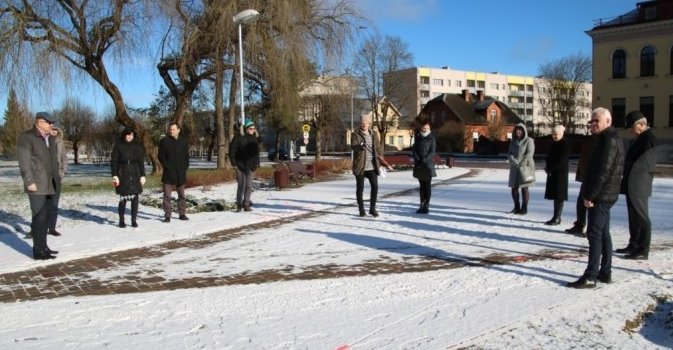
(602, 181)
(637, 186)
(174, 157)
(39, 166)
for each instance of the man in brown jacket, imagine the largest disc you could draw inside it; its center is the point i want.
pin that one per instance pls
(39, 166)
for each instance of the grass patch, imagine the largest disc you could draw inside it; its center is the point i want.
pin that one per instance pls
(632, 325)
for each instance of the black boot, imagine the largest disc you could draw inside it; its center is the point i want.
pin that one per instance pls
(420, 207)
(426, 208)
(134, 211)
(526, 195)
(361, 207)
(524, 209)
(121, 209)
(558, 210)
(517, 208)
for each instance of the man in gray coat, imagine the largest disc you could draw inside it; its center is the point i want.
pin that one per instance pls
(39, 165)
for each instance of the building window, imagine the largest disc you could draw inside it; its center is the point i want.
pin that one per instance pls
(439, 82)
(425, 80)
(448, 82)
(470, 83)
(494, 86)
(647, 108)
(670, 110)
(425, 93)
(494, 115)
(391, 140)
(459, 83)
(619, 64)
(400, 141)
(619, 112)
(481, 84)
(647, 61)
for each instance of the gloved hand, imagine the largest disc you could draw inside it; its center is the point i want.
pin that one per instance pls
(115, 181)
(142, 180)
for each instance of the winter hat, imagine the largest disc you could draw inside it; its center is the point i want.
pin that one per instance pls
(128, 130)
(634, 117)
(248, 124)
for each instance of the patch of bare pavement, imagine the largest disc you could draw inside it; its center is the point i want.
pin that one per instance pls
(72, 278)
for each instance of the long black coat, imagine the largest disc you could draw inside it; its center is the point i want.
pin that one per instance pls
(557, 171)
(244, 152)
(424, 157)
(174, 157)
(639, 165)
(128, 164)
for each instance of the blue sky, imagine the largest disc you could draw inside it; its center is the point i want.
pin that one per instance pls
(512, 37)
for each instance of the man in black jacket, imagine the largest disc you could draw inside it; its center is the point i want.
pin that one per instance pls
(244, 157)
(601, 191)
(174, 157)
(637, 186)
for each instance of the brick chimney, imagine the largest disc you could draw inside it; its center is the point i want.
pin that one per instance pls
(466, 95)
(480, 95)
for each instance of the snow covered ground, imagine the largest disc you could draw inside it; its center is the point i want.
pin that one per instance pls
(407, 281)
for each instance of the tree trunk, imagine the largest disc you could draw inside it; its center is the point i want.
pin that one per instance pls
(318, 143)
(75, 148)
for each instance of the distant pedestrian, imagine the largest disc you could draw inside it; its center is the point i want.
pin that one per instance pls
(423, 152)
(637, 186)
(601, 191)
(556, 168)
(521, 167)
(244, 157)
(367, 155)
(174, 158)
(127, 164)
(580, 210)
(62, 170)
(39, 166)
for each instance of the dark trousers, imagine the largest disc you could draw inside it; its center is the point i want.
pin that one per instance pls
(581, 210)
(53, 214)
(373, 186)
(600, 242)
(244, 179)
(425, 190)
(640, 227)
(168, 191)
(40, 207)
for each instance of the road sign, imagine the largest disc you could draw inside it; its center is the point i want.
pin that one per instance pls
(306, 128)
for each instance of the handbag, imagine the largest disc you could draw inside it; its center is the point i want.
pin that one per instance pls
(524, 175)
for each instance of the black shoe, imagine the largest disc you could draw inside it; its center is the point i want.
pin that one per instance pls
(582, 283)
(49, 251)
(363, 213)
(516, 210)
(373, 212)
(167, 219)
(238, 208)
(122, 224)
(553, 222)
(43, 256)
(53, 232)
(625, 250)
(134, 224)
(641, 255)
(522, 212)
(183, 217)
(575, 230)
(604, 277)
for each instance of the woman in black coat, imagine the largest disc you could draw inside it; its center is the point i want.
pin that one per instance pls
(128, 173)
(424, 166)
(557, 173)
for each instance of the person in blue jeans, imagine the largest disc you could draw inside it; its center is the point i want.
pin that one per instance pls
(602, 184)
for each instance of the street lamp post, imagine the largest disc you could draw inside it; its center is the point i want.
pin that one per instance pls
(243, 17)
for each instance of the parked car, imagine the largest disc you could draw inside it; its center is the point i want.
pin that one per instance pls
(282, 155)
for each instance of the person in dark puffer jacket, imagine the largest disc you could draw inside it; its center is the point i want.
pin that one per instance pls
(424, 165)
(127, 164)
(602, 184)
(244, 156)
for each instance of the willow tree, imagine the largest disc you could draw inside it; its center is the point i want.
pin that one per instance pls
(42, 42)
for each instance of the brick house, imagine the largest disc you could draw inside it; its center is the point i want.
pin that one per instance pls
(472, 117)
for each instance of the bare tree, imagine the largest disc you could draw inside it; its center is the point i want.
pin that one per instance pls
(76, 121)
(16, 122)
(40, 39)
(377, 57)
(561, 89)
